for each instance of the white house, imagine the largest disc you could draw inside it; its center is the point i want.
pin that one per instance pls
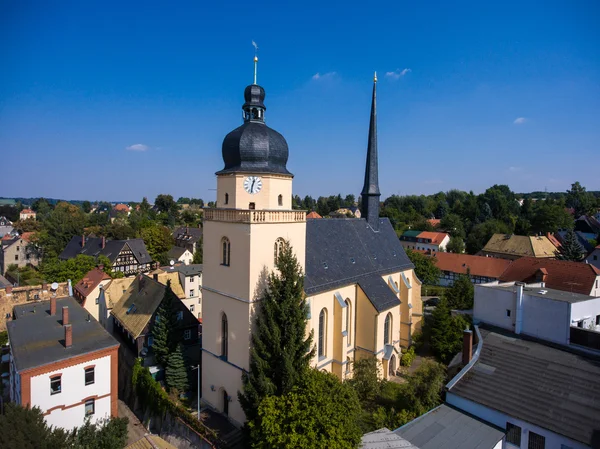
(87, 291)
(190, 279)
(70, 370)
(178, 254)
(593, 258)
(425, 241)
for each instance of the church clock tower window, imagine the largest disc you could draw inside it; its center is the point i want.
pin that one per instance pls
(226, 246)
(224, 337)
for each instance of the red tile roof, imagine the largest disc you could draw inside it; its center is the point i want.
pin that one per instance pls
(27, 211)
(121, 208)
(553, 240)
(490, 267)
(313, 214)
(435, 222)
(90, 281)
(435, 237)
(563, 275)
(27, 236)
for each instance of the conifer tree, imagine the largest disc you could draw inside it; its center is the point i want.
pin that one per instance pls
(280, 353)
(571, 249)
(163, 330)
(176, 372)
(441, 328)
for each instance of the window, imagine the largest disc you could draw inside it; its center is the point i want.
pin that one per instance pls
(179, 315)
(536, 441)
(251, 206)
(597, 320)
(191, 293)
(226, 247)
(191, 278)
(192, 308)
(90, 407)
(187, 334)
(90, 376)
(595, 258)
(278, 249)
(322, 333)
(280, 200)
(55, 385)
(387, 329)
(150, 341)
(16, 257)
(507, 312)
(224, 337)
(348, 365)
(348, 321)
(513, 434)
(98, 300)
(227, 198)
(18, 248)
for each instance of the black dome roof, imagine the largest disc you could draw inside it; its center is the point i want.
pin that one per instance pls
(254, 147)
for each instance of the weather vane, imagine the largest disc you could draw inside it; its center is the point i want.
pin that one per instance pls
(255, 59)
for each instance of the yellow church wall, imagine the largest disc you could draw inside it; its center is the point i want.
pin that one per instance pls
(366, 316)
(266, 199)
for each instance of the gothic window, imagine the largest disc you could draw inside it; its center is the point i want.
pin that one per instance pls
(322, 333)
(278, 249)
(348, 321)
(280, 200)
(387, 329)
(227, 198)
(226, 248)
(224, 337)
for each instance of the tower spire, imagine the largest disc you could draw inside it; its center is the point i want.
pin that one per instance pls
(370, 193)
(255, 59)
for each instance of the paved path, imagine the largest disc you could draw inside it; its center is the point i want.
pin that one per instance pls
(135, 428)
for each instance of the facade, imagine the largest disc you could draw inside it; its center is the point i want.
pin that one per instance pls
(512, 247)
(17, 250)
(362, 294)
(480, 269)
(62, 362)
(127, 256)
(178, 254)
(109, 295)
(189, 277)
(425, 240)
(87, 291)
(6, 226)
(594, 257)
(26, 214)
(188, 237)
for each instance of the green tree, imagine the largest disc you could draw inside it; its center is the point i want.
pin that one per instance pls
(104, 434)
(280, 352)
(86, 206)
(453, 224)
(456, 245)
(583, 202)
(461, 294)
(176, 372)
(319, 413)
(64, 222)
(424, 387)
(164, 335)
(445, 333)
(547, 216)
(199, 251)
(425, 267)
(158, 240)
(482, 233)
(365, 378)
(570, 248)
(25, 428)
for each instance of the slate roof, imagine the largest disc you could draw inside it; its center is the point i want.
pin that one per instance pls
(445, 427)
(587, 224)
(112, 248)
(345, 251)
(188, 233)
(545, 386)
(150, 442)
(561, 274)
(490, 267)
(520, 245)
(5, 221)
(176, 252)
(378, 292)
(192, 269)
(37, 338)
(384, 439)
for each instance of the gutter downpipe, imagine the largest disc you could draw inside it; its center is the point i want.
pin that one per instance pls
(468, 366)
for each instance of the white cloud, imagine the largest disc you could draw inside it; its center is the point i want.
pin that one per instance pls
(515, 168)
(137, 147)
(520, 120)
(321, 76)
(397, 74)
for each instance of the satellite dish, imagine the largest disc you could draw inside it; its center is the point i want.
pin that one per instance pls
(54, 286)
(172, 262)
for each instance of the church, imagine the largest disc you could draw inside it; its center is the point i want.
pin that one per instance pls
(363, 296)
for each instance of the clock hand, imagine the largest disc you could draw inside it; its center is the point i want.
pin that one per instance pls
(252, 188)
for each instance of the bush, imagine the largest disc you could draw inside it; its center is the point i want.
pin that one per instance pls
(408, 357)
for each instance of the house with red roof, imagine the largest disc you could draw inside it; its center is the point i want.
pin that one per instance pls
(425, 240)
(26, 214)
(313, 214)
(87, 291)
(480, 269)
(17, 250)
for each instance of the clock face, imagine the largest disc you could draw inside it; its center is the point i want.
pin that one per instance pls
(252, 184)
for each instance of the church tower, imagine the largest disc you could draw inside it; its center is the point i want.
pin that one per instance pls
(370, 192)
(242, 237)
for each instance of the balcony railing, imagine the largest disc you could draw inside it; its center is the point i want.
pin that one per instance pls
(255, 216)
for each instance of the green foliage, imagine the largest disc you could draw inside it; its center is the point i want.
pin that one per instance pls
(445, 333)
(280, 353)
(318, 412)
(425, 386)
(24, 275)
(425, 267)
(106, 434)
(455, 245)
(482, 233)
(164, 327)
(408, 357)
(583, 202)
(3, 338)
(461, 294)
(60, 225)
(55, 270)
(365, 378)
(570, 249)
(198, 254)
(176, 372)
(158, 240)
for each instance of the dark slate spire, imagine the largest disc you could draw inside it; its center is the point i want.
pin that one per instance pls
(370, 193)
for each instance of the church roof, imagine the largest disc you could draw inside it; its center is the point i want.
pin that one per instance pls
(348, 251)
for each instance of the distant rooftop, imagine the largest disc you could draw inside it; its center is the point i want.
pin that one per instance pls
(543, 292)
(384, 439)
(37, 338)
(186, 270)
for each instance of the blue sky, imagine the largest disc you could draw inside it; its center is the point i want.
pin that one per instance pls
(469, 94)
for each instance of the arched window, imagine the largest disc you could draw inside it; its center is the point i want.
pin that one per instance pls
(387, 329)
(278, 249)
(224, 337)
(280, 200)
(348, 321)
(227, 198)
(348, 365)
(225, 403)
(322, 333)
(226, 248)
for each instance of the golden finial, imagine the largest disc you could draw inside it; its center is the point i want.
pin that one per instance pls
(375, 77)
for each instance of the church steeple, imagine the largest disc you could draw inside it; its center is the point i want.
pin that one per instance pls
(370, 193)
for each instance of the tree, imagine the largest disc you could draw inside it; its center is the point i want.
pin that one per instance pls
(55, 270)
(461, 294)
(425, 267)
(547, 216)
(158, 240)
(365, 378)
(424, 390)
(570, 248)
(176, 372)
(165, 338)
(482, 233)
(583, 202)
(64, 222)
(280, 352)
(86, 206)
(445, 333)
(104, 434)
(453, 224)
(455, 245)
(198, 254)
(319, 413)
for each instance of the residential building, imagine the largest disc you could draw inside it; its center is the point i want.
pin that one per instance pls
(363, 297)
(535, 310)
(542, 396)
(480, 269)
(425, 240)
(109, 295)
(346, 212)
(178, 254)
(17, 250)
(62, 361)
(511, 247)
(6, 226)
(588, 225)
(26, 214)
(189, 277)
(127, 256)
(593, 258)
(312, 214)
(119, 211)
(435, 222)
(135, 312)
(87, 291)
(188, 237)
(563, 275)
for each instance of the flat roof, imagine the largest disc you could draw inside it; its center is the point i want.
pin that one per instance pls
(550, 293)
(37, 338)
(445, 427)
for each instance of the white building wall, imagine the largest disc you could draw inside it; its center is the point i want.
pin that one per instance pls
(586, 311)
(192, 286)
(553, 440)
(73, 391)
(490, 306)
(546, 319)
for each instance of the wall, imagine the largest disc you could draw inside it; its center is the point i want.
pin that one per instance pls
(24, 255)
(546, 319)
(92, 301)
(586, 311)
(594, 258)
(266, 199)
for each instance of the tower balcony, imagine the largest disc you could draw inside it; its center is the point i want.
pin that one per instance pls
(255, 216)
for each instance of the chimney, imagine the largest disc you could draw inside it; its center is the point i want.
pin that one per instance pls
(467, 351)
(65, 315)
(82, 241)
(53, 306)
(44, 286)
(68, 336)
(8, 289)
(101, 267)
(103, 242)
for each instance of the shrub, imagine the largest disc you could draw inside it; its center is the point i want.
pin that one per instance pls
(408, 357)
